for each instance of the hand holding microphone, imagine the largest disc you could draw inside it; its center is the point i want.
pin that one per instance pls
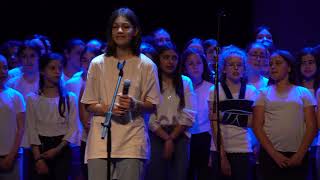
(125, 102)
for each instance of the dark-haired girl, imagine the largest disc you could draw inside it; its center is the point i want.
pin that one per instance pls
(309, 77)
(194, 65)
(128, 133)
(284, 121)
(51, 121)
(170, 137)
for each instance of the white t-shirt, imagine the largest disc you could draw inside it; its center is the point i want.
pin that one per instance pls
(74, 85)
(130, 139)
(235, 139)
(168, 113)
(24, 87)
(262, 83)
(284, 116)
(202, 123)
(43, 118)
(11, 103)
(316, 141)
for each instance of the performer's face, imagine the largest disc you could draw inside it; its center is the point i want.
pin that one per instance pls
(265, 38)
(279, 68)
(162, 38)
(30, 61)
(194, 66)
(234, 68)
(256, 57)
(52, 72)
(3, 71)
(73, 57)
(122, 31)
(168, 61)
(308, 66)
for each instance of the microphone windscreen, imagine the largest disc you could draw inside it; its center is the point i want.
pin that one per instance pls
(126, 85)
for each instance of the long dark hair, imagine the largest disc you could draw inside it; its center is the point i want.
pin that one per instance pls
(44, 61)
(316, 76)
(289, 58)
(176, 75)
(189, 51)
(133, 19)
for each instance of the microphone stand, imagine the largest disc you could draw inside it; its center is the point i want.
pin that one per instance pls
(216, 107)
(106, 126)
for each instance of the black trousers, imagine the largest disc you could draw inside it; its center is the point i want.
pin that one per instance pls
(59, 166)
(199, 157)
(84, 167)
(242, 166)
(270, 170)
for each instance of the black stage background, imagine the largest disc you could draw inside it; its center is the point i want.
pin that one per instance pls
(293, 23)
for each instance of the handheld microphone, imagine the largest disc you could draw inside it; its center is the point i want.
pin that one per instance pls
(126, 86)
(125, 91)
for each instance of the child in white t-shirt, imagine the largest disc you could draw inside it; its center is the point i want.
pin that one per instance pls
(12, 113)
(284, 121)
(235, 101)
(194, 65)
(169, 126)
(51, 121)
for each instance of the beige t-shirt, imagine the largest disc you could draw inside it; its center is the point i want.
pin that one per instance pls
(129, 139)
